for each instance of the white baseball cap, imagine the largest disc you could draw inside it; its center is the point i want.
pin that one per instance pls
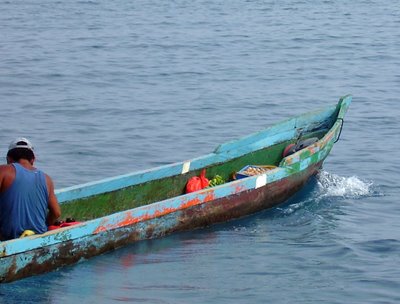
(20, 142)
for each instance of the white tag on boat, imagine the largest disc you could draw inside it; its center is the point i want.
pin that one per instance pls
(261, 181)
(185, 167)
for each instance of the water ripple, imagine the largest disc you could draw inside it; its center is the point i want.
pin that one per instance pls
(108, 87)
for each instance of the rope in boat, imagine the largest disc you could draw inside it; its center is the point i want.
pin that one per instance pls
(340, 131)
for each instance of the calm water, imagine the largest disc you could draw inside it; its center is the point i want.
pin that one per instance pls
(109, 87)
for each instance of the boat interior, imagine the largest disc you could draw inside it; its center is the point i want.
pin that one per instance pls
(147, 187)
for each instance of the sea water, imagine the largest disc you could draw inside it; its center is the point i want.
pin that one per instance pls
(104, 88)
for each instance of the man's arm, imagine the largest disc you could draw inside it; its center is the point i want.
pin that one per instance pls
(2, 169)
(7, 176)
(4, 172)
(54, 207)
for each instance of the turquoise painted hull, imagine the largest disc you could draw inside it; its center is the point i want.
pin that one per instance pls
(42, 253)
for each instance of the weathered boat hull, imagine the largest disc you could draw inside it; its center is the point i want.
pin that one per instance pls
(171, 211)
(244, 203)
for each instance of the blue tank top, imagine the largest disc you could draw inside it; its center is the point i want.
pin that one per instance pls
(24, 205)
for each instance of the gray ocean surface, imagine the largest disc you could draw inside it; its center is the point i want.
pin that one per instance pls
(104, 88)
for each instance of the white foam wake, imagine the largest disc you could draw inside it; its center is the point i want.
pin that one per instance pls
(333, 185)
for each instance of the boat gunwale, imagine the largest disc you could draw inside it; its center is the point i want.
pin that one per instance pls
(269, 136)
(17, 246)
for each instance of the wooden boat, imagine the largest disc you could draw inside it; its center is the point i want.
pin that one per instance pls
(153, 203)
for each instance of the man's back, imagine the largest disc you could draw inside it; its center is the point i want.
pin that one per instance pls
(27, 198)
(24, 203)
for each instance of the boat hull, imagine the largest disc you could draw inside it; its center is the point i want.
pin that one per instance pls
(152, 203)
(220, 210)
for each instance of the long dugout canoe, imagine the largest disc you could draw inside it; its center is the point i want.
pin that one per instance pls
(152, 203)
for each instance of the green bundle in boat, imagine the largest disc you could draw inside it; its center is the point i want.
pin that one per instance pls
(216, 180)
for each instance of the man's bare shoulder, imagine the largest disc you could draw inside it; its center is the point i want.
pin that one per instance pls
(6, 168)
(48, 178)
(7, 175)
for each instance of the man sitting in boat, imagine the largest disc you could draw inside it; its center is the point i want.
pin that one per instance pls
(27, 200)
